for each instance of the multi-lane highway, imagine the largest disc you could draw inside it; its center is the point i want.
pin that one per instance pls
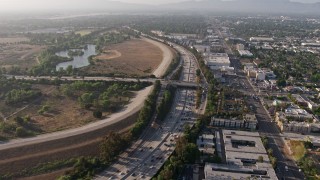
(148, 154)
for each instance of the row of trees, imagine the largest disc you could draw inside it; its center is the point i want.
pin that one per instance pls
(147, 111)
(166, 103)
(212, 96)
(265, 142)
(186, 152)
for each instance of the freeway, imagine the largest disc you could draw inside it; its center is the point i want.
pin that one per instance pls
(147, 155)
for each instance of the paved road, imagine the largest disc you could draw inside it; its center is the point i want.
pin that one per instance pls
(276, 142)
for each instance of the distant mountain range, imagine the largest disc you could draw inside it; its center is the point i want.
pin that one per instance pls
(255, 6)
(219, 6)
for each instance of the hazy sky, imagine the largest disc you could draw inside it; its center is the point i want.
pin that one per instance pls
(16, 5)
(171, 1)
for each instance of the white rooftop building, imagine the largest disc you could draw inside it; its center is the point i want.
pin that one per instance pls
(245, 53)
(216, 61)
(261, 39)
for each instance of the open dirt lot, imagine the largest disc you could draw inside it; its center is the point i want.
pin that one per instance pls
(20, 55)
(137, 57)
(108, 54)
(5, 40)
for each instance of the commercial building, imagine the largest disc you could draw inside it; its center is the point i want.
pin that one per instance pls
(297, 120)
(216, 61)
(202, 48)
(246, 158)
(261, 39)
(248, 122)
(310, 104)
(311, 44)
(245, 53)
(260, 75)
(206, 144)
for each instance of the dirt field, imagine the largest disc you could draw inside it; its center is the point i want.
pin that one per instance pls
(108, 54)
(21, 55)
(138, 57)
(5, 40)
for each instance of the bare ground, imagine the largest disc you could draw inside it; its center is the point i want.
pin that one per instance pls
(139, 57)
(20, 55)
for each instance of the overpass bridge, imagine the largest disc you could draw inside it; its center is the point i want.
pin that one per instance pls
(183, 84)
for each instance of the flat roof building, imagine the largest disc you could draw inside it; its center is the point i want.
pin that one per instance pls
(216, 61)
(246, 158)
(261, 39)
(206, 144)
(245, 53)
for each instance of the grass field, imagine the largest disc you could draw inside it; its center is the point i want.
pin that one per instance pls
(134, 57)
(298, 149)
(19, 55)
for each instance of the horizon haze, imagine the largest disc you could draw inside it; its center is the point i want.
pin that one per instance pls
(264, 6)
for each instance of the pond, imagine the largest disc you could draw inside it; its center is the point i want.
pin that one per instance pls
(78, 61)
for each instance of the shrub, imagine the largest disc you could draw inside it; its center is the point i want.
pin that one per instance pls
(21, 132)
(97, 114)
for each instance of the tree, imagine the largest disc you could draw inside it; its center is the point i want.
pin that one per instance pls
(86, 100)
(270, 151)
(198, 72)
(19, 120)
(21, 132)
(69, 70)
(281, 82)
(191, 153)
(97, 114)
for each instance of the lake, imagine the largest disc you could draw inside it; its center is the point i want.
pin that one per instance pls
(78, 61)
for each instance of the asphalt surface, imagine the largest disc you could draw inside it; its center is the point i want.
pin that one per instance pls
(269, 129)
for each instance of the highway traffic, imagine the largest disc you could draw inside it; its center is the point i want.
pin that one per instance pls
(148, 154)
